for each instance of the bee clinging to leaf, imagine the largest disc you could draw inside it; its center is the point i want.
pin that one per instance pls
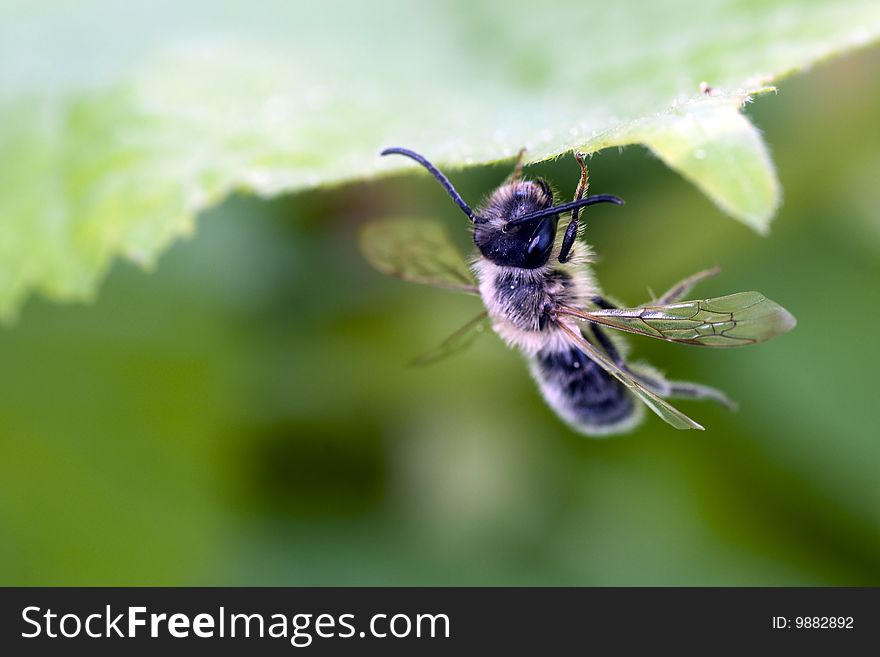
(541, 298)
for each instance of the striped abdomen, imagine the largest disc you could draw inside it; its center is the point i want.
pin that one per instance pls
(583, 394)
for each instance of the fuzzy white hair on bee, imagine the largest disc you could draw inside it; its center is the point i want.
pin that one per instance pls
(541, 298)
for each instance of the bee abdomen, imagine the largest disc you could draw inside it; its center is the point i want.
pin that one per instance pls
(583, 394)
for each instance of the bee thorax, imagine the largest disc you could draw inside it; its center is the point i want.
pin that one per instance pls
(520, 301)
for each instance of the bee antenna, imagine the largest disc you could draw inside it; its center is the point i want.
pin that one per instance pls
(434, 171)
(564, 207)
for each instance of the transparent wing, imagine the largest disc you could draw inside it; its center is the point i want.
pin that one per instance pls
(666, 411)
(417, 251)
(733, 321)
(456, 342)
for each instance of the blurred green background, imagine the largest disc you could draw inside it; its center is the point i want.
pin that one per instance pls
(244, 414)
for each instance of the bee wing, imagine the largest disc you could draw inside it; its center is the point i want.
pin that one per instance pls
(735, 320)
(666, 411)
(417, 251)
(456, 342)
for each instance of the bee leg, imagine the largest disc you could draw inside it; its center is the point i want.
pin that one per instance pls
(568, 240)
(658, 385)
(603, 303)
(677, 291)
(688, 390)
(516, 175)
(608, 346)
(580, 192)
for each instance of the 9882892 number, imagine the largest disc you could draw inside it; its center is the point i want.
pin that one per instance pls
(823, 622)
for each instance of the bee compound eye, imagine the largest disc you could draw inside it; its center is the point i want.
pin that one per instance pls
(539, 244)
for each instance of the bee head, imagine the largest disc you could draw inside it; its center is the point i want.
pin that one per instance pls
(526, 244)
(517, 226)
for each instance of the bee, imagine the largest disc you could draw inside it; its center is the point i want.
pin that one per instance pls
(541, 298)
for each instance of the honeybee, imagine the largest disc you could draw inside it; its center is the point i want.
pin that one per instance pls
(541, 298)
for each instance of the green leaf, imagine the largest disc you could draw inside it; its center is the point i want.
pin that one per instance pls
(119, 122)
(715, 147)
